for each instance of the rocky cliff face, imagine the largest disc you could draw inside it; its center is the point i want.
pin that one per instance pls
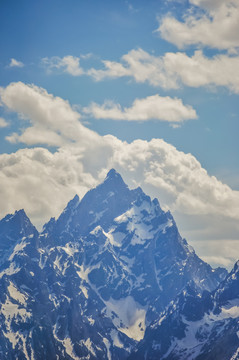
(95, 282)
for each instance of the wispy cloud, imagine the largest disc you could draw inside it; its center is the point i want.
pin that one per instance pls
(15, 63)
(68, 64)
(150, 108)
(3, 123)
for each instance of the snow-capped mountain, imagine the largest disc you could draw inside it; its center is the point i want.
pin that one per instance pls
(97, 279)
(202, 326)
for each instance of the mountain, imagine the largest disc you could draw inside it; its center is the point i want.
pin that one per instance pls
(202, 326)
(96, 280)
(13, 228)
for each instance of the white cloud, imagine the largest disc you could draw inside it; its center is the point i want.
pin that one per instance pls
(69, 64)
(169, 71)
(53, 121)
(198, 70)
(216, 27)
(15, 63)
(172, 70)
(42, 182)
(183, 182)
(3, 123)
(138, 64)
(152, 107)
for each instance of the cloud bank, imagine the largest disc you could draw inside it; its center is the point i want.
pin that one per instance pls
(42, 182)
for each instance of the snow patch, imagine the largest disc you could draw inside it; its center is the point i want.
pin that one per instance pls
(70, 249)
(135, 218)
(17, 249)
(67, 343)
(96, 230)
(10, 311)
(16, 294)
(115, 339)
(107, 345)
(232, 312)
(85, 291)
(130, 316)
(116, 238)
(12, 269)
(60, 265)
(88, 343)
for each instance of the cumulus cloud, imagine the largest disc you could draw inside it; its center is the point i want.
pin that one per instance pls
(172, 70)
(42, 182)
(217, 26)
(15, 63)
(152, 107)
(138, 64)
(69, 64)
(3, 122)
(52, 119)
(198, 70)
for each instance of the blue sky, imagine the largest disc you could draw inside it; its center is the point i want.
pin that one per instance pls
(120, 68)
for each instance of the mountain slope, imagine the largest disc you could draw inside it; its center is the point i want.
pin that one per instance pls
(197, 326)
(93, 281)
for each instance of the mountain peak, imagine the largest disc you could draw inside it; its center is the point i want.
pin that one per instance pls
(113, 175)
(21, 213)
(114, 179)
(18, 216)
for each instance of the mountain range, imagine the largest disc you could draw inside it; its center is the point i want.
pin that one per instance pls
(112, 278)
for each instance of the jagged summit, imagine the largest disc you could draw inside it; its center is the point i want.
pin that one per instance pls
(102, 272)
(113, 181)
(17, 223)
(21, 213)
(13, 228)
(99, 206)
(113, 178)
(113, 174)
(17, 214)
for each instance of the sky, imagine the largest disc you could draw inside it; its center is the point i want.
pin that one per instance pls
(149, 88)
